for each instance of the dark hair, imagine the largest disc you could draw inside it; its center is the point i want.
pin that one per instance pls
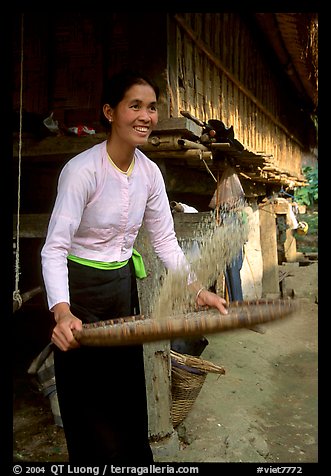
(115, 88)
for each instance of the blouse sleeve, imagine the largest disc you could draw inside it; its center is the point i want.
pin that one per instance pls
(159, 223)
(70, 201)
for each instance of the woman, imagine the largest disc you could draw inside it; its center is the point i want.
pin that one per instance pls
(104, 195)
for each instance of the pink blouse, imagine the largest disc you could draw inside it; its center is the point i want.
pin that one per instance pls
(97, 215)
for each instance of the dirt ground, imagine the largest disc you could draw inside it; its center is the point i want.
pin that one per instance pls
(264, 409)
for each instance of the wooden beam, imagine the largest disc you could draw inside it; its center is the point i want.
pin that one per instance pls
(57, 145)
(178, 124)
(194, 155)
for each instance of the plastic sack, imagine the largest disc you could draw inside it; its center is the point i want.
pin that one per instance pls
(51, 124)
(182, 207)
(81, 130)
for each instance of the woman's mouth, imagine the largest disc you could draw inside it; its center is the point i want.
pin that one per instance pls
(141, 129)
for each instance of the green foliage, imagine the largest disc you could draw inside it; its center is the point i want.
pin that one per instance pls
(308, 243)
(308, 195)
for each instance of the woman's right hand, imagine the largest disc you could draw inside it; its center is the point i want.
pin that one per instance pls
(66, 322)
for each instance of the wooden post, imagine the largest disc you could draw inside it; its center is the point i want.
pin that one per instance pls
(251, 271)
(163, 438)
(268, 238)
(287, 249)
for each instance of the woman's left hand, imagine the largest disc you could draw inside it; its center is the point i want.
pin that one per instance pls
(207, 298)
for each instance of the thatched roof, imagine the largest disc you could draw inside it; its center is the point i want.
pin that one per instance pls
(294, 39)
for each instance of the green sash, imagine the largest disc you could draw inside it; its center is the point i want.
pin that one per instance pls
(137, 259)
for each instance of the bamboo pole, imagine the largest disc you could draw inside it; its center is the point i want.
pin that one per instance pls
(192, 154)
(26, 297)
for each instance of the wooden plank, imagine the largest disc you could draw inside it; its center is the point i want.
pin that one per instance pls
(177, 124)
(281, 207)
(35, 225)
(195, 156)
(55, 145)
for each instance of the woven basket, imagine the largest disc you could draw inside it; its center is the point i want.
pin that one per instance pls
(188, 375)
(132, 330)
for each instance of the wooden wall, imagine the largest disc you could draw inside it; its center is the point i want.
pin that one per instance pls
(214, 65)
(67, 56)
(221, 69)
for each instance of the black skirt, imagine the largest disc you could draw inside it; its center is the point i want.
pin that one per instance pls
(101, 390)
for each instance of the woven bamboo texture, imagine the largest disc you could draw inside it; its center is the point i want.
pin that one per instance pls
(134, 330)
(188, 375)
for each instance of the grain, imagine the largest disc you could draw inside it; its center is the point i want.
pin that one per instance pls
(216, 242)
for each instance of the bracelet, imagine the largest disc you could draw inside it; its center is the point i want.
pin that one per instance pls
(198, 293)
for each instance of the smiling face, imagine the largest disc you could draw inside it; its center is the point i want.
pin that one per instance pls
(134, 117)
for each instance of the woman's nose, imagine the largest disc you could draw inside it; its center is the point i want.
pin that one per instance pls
(145, 115)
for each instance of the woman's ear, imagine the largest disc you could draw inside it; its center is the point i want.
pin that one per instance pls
(108, 112)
